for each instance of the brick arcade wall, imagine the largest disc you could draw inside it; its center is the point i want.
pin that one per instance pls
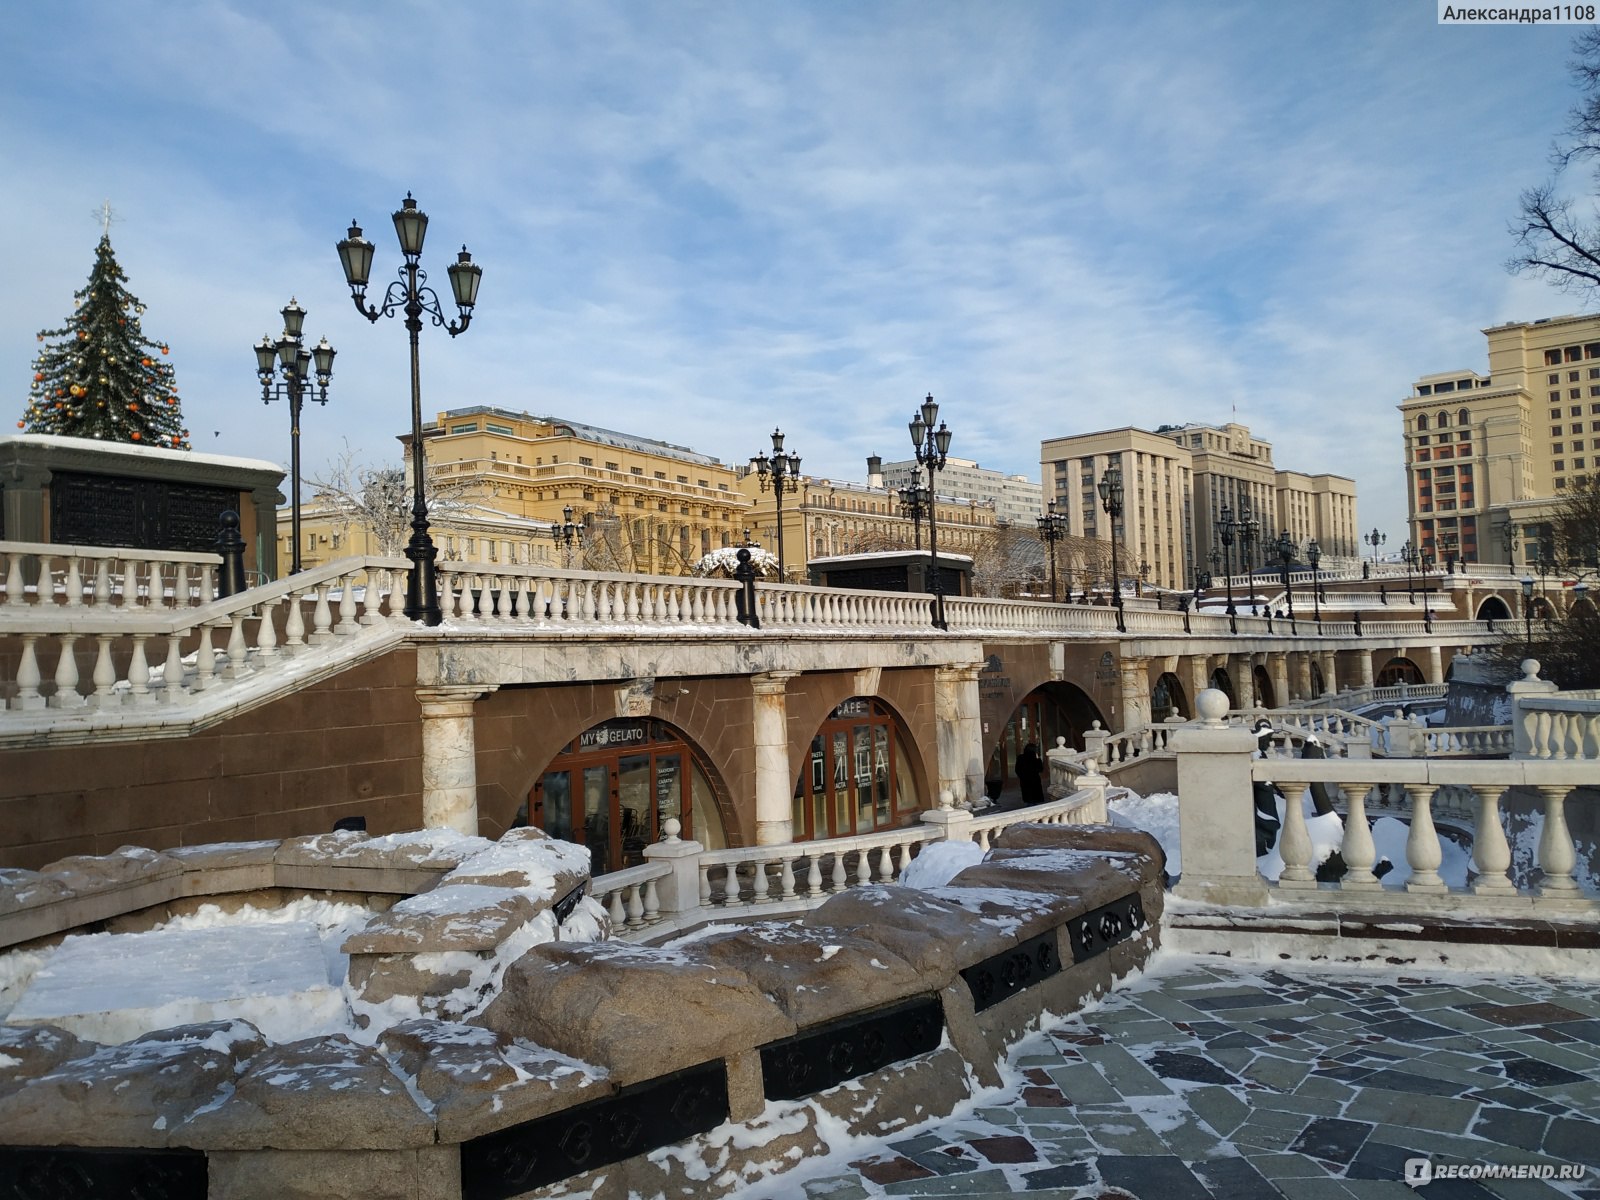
(519, 730)
(348, 746)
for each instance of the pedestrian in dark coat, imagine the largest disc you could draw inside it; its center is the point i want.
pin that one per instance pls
(1030, 774)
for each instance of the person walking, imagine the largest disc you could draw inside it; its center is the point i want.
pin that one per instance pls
(1030, 774)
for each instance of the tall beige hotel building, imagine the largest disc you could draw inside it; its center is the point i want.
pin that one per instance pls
(1488, 456)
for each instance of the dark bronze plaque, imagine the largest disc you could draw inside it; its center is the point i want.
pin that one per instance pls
(637, 1120)
(72, 1173)
(820, 1058)
(145, 514)
(1096, 932)
(995, 979)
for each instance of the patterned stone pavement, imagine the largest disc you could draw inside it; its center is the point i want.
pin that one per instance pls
(1210, 1079)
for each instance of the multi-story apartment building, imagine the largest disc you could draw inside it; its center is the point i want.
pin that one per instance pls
(1016, 499)
(1180, 479)
(1488, 456)
(644, 505)
(1157, 528)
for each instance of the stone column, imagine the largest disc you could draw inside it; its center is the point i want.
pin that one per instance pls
(1244, 679)
(1135, 673)
(1216, 812)
(774, 788)
(1364, 657)
(1435, 668)
(959, 730)
(1301, 660)
(1278, 672)
(1330, 672)
(449, 758)
(1199, 677)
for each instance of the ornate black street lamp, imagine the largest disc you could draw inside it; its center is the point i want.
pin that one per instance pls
(1249, 535)
(568, 534)
(932, 448)
(294, 364)
(1111, 501)
(412, 295)
(1314, 556)
(781, 473)
(1226, 526)
(914, 504)
(1409, 554)
(1508, 538)
(1286, 555)
(1527, 616)
(1373, 539)
(1052, 528)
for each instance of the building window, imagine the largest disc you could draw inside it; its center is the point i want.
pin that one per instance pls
(491, 427)
(1555, 397)
(611, 466)
(1422, 421)
(1572, 376)
(1552, 358)
(469, 428)
(1577, 464)
(1555, 431)
(1559, 465)
(1558, 448)
(1577, 427)
(1574, 353)
(636, 470)
(585, 462)
(1552, 379)
(1464, 417)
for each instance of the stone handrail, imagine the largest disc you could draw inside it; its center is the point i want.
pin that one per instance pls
(37, 574)
(631, 897)
(1552, 725)
(742, 878)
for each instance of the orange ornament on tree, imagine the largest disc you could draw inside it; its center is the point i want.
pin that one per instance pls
(135, 435)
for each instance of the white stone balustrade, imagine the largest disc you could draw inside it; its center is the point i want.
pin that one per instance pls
(1551, 725)
(36, 574)
(1217, 769)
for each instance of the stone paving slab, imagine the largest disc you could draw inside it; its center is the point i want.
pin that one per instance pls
(1208, 1078)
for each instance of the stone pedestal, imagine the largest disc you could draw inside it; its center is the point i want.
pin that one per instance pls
(774, 812)
(449, 758)
(1215, 810)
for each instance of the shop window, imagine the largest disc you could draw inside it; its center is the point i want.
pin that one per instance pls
(857, 776)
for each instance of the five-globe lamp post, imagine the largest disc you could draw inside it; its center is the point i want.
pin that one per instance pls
(1052, 528)
(932, 449)
(1287, 551)
(1249, 533)
(1111, 501)
(1314, 557)
(411, 295)
(914, 503)
(782, 473)
(1527, 616)
(568, 534)
(294, 366)
(1226, 526)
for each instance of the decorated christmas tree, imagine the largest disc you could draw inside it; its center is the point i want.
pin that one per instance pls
(99, 376)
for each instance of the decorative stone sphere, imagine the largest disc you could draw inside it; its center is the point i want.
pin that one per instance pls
(1530, 668)
(1212, 705)
(670, 828)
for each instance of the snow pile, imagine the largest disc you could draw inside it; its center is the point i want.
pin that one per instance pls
(721, 563)
(1157, 815)
(938, 863)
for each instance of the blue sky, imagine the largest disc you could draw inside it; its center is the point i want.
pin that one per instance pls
(699, 220)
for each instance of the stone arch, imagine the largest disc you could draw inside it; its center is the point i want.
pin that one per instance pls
(861, 724)
(1493, 608)
(1169, 698)
(1053, 709)
(1319, 685)
(1223, 682)
(901, 692)
(1266, 694)
(1541, 609)
(1398, 670)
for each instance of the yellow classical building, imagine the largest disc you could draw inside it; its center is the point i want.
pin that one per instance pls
(499, 481)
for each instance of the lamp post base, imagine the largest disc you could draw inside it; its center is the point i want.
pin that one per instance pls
(422, 585)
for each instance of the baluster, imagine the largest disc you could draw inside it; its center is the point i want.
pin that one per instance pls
(863, 868)
(1422, 843)
(635, 908)
(586, 603)
(618, 914)
(208, 583)
(172, 675)
(758, 893)
(1557, 856)
(1358, 850)
(445, 582)
(294, 626)
(15, 592)
(813, 874)
(347, 606)
(180, 586)
(705, 886)
(523, 599)
(886, 865)
(205, 661)
(102, 581)
(45, 588)
(1295, 846)
(266, 631)
(139, 672)
(130, 583)
(238, 664)
(632, 614)
(105, 675)
(839, 877)
(399, 579)
(371, 599)
(67, 674)
(786, 879)
(321, 617)
(28, 677)
(730, 886)
(74, 583)
(1491, 854)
